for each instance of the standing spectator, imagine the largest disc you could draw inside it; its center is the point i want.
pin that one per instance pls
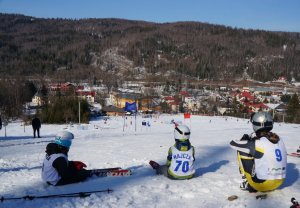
(36, 125)
(0, 123)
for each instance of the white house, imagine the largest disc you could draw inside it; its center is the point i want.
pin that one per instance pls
(37, 99)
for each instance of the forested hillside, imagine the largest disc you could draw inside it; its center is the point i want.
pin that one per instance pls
(99, 48)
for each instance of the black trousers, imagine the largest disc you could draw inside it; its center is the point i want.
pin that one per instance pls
(248, 166)
(75, 175)
(163, 170)
(38, 132)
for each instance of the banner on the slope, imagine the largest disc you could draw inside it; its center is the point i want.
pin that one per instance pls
(130, 107)
(187, 115)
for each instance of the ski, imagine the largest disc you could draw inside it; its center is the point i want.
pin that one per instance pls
(111, 172)
(105, 169)
(122, 172)
(77, 194)
(294, 154)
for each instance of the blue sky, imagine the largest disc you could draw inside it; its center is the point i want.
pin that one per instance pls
(273, 15)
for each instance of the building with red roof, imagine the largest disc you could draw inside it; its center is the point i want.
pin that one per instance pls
(86, 94)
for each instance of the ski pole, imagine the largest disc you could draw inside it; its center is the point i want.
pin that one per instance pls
(77, 194)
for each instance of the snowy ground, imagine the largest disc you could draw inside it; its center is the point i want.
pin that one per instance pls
(101, 145)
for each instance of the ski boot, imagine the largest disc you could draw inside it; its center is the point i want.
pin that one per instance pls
(244, 183)
(245, 186)
(154, 164)
(295, 203)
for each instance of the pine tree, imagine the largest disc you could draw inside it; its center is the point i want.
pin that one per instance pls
(64, 109)
(293, 109)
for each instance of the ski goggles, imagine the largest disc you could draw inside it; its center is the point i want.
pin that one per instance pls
(62, 142)
(183, 133)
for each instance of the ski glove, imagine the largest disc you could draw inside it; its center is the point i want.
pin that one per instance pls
(79, 165)
(245, 137)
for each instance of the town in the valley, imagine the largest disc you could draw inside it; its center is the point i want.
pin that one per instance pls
(239, 99)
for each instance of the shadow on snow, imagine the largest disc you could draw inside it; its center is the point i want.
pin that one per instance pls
(215, 154)
(211, 168)
(292, 175)
(23, 137)
(19, 168)
(27, 143)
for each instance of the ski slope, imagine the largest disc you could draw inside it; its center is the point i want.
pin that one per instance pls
(103, 144)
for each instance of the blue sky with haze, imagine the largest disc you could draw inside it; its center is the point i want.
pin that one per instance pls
(273, 15)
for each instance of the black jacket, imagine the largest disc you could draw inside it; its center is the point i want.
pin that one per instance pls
(60, 164)
(36, 123)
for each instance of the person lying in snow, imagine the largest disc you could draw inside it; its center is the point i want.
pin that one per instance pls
(57, 169)
(261, 156)
(181, 156)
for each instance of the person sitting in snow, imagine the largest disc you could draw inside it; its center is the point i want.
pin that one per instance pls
(261, 156)
(181, 156)
(57, 169)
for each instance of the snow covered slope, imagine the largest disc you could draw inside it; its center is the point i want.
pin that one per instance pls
(102, 144)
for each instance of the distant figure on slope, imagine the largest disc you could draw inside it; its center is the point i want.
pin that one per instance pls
(36, 125)
(181, 156)
(261, 156)
(57, 169)
(0, 123)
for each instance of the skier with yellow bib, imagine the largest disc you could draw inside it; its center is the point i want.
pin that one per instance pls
(181, 156)
(261, 156)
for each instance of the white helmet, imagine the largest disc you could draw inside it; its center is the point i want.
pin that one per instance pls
(182, 133)
(262, 121)
(64, 139)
